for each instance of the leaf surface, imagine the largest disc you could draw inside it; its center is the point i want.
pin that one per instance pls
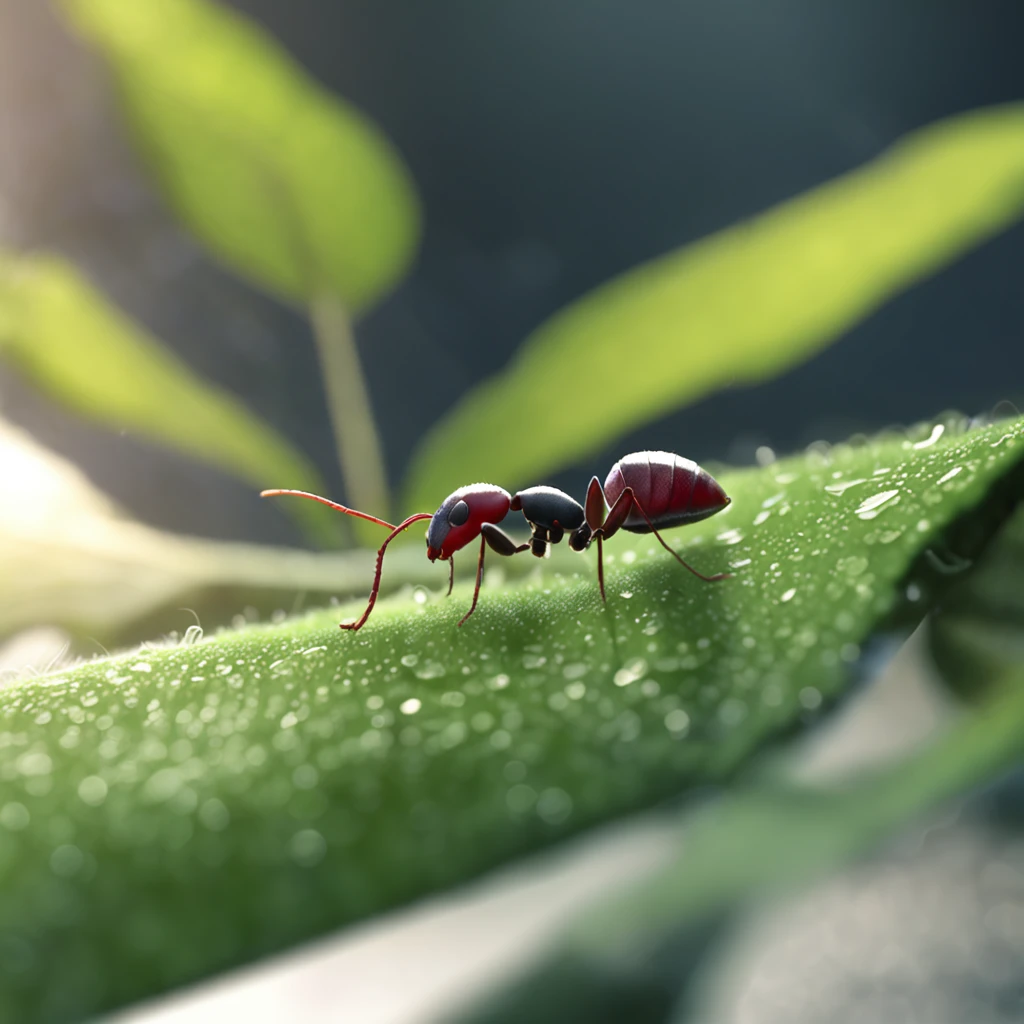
(174, 812)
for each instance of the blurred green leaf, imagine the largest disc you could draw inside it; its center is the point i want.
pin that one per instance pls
(178, 811)
(737, 307)
(977, 633)
(81, 351)
(286, 183)
(752, 844)
(70, 557)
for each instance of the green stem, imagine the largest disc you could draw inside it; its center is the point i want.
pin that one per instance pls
(360, 453)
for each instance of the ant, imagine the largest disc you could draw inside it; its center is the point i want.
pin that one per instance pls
(642, 492)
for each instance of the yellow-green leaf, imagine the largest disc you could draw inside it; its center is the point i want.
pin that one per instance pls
(737, 307)
(65, 338)
(286, 183)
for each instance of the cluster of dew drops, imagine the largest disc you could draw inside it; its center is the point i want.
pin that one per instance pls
(727, 665)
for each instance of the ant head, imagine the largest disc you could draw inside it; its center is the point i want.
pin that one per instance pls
(462, 513)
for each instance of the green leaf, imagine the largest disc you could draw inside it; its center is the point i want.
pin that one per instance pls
(799, 833)
(738, 307)
(286, 183)
(638, 951)
(81, 351)
(177, 811)
(69, 557)
(977, 633)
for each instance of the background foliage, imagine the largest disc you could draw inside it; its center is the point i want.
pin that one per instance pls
(195, 804)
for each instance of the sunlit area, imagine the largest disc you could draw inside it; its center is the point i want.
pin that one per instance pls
(637, 387)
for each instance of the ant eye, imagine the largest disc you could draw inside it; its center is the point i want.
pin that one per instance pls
(459, 514)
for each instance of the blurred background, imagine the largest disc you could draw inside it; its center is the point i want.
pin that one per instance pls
(554, 146)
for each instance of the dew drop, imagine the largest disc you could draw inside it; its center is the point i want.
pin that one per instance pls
(66, 861)
(409, 660)
(214, 815)
(810, 698)
(92, 790)
(634, 669)
(677, 721)
(192, 635)
(36, 763)
(554, 806)
(307, 847)
(732, 711)
(410, 706)
(14, 816)
(871, 507)
(520, 798)
(430, 670)
(937, 432)
(789, 594)
(305, 776)
(956, 470)
(844, 485)
(852, 565)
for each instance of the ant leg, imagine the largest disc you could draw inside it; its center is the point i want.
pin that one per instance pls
(380, 563)
(499, 542)
(616, 517)
(661, 541)
(451, 575)
(618, 514)
(479, 580)
(594, 509)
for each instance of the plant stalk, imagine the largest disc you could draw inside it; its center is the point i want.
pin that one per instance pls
(360, 453)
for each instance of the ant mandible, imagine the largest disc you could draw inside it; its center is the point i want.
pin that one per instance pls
(644, 491)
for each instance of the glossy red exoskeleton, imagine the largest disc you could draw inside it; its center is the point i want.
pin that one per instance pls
(466, 514)
(642, 493)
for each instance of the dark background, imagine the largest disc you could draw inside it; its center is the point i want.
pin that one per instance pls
(554, 145)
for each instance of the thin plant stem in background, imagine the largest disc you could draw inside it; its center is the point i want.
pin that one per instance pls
(360, 453)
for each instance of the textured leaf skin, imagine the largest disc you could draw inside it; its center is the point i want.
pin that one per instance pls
(177, 811)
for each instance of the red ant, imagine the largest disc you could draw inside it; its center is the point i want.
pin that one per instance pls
(642, 492)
